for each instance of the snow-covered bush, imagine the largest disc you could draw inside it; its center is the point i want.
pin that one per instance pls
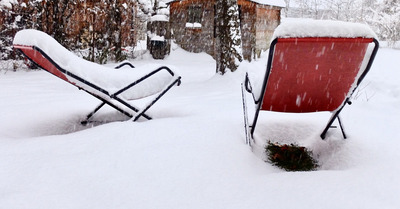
(12, 65)
(386, 21)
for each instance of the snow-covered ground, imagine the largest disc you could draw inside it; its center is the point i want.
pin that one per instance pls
(193, 154)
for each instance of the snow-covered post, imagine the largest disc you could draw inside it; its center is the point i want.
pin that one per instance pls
(158, 36)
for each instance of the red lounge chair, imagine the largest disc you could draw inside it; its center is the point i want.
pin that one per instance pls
(49, 55)
(311, 74)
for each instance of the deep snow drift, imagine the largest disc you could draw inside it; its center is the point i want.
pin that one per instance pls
(193, 154)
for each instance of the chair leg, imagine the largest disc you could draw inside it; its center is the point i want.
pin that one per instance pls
(141, 113)
(118, 108)
(85, 122)
(245, 117)
(329, 125)
(341, 127)
(334, 116)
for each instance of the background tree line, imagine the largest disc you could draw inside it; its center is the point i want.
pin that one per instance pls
(382, 15)
(98, 29)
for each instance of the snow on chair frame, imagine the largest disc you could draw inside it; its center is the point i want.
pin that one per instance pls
(111, 86)
(313, 66)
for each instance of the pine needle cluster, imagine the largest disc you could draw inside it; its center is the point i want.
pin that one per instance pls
(290, 157)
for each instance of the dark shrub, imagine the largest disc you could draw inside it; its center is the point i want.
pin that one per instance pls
(290, 157)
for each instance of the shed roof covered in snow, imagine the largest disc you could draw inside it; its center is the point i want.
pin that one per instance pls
(277, 3)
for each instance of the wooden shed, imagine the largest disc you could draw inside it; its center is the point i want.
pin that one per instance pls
(193, 24)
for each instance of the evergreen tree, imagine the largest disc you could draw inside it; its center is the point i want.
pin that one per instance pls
(115, 30)
(6, 31)
(112, 35)
(15, 16)
(227, 36)
(55, 16)
(286, 9)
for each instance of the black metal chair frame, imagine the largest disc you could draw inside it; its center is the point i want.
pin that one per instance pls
(107, 97)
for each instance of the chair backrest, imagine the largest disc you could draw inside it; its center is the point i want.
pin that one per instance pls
(36, 56)
(40, 58)
(312, 74)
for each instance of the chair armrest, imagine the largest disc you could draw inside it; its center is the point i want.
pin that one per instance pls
(145, 77)
(249, 88)
(123, 64)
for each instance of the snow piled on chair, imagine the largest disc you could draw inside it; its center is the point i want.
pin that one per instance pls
(322, 28)
(110, 79)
